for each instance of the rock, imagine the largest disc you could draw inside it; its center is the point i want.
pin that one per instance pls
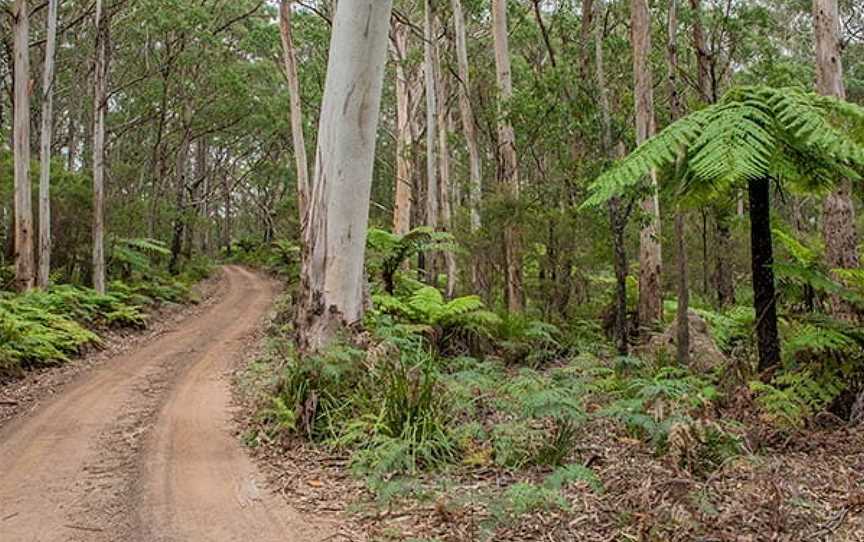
(704, 354)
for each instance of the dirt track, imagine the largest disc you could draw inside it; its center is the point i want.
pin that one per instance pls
(141, 449)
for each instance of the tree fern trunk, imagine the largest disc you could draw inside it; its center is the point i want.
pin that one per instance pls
(762, 254)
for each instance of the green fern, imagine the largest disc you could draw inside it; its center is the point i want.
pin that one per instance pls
(752, 133)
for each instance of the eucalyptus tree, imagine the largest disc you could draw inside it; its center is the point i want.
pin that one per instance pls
(758, 137)
(332, 279)
(508, 170)
(100, 107)
(44, 271)
(24, 260)
(650, 256)
(841, 240)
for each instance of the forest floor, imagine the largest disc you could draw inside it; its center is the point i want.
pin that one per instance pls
(138, 444)
(809, 489)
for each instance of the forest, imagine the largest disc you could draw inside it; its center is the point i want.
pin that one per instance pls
(431, 270)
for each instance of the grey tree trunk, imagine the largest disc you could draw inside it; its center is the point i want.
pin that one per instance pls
(475, 176)
(508, 174)
(838, 212)
(24, 262)
(99, 106)
(298, 139)
(44, 272)
(404, 136)
(682, 340)
(650, 257)
(332, 278)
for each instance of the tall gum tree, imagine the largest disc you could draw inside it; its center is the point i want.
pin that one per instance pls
(508, 169)
(838, 211)
(24, 262)
(44, 271)
(100, 105)
(332, 278)
(289, 60)
(466, 111)
(404, 137)
(650, 256)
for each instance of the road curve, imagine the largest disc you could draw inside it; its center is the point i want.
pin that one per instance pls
(141, 449)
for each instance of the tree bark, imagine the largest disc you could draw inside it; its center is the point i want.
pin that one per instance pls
(332, 278)
(404, 137)
(24, 262)
(99, 106)
(838, 211)
(682, 339)
(585, 37)
(444, 197)
(703, 57)
(650, 256)
(297, 136)
(44, 272)
(475, 176)
(430, 55)
(617, 220)
(762, 256)
(508, 170)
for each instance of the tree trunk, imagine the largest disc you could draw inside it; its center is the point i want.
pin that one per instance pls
(475, 176)
(682, 339)
(841, 239)
(44, 273)
(508, 170)
(332, 281)
(179, 202)
(617, 220)
(297, 137)
(99, 106)
(762, 255)
(585, 37)
(650, 256)
(703, 57)
(430, 55)
(722, 271)
(24, 262)
(445, 217)
(404, 136)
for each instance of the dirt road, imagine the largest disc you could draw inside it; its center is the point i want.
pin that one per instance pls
(141, 448)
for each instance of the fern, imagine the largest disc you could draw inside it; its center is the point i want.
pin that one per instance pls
(752, 133)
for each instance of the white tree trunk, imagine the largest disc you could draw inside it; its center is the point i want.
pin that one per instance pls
(444, 196)
(404, 136)
(24, 262)
(99, 106)
(838, 211)
(335, 242)
(297, 137)
(475, 181)
(45, 148)
(430, 55)
(508, 175)
(650, 257)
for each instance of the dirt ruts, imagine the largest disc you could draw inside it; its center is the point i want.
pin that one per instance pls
(141, 448)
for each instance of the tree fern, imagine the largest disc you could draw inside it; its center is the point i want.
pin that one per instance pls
(752, 133)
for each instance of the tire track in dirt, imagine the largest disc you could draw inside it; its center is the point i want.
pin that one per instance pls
(141, 449)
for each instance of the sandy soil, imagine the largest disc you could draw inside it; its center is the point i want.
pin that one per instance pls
(141, 448)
